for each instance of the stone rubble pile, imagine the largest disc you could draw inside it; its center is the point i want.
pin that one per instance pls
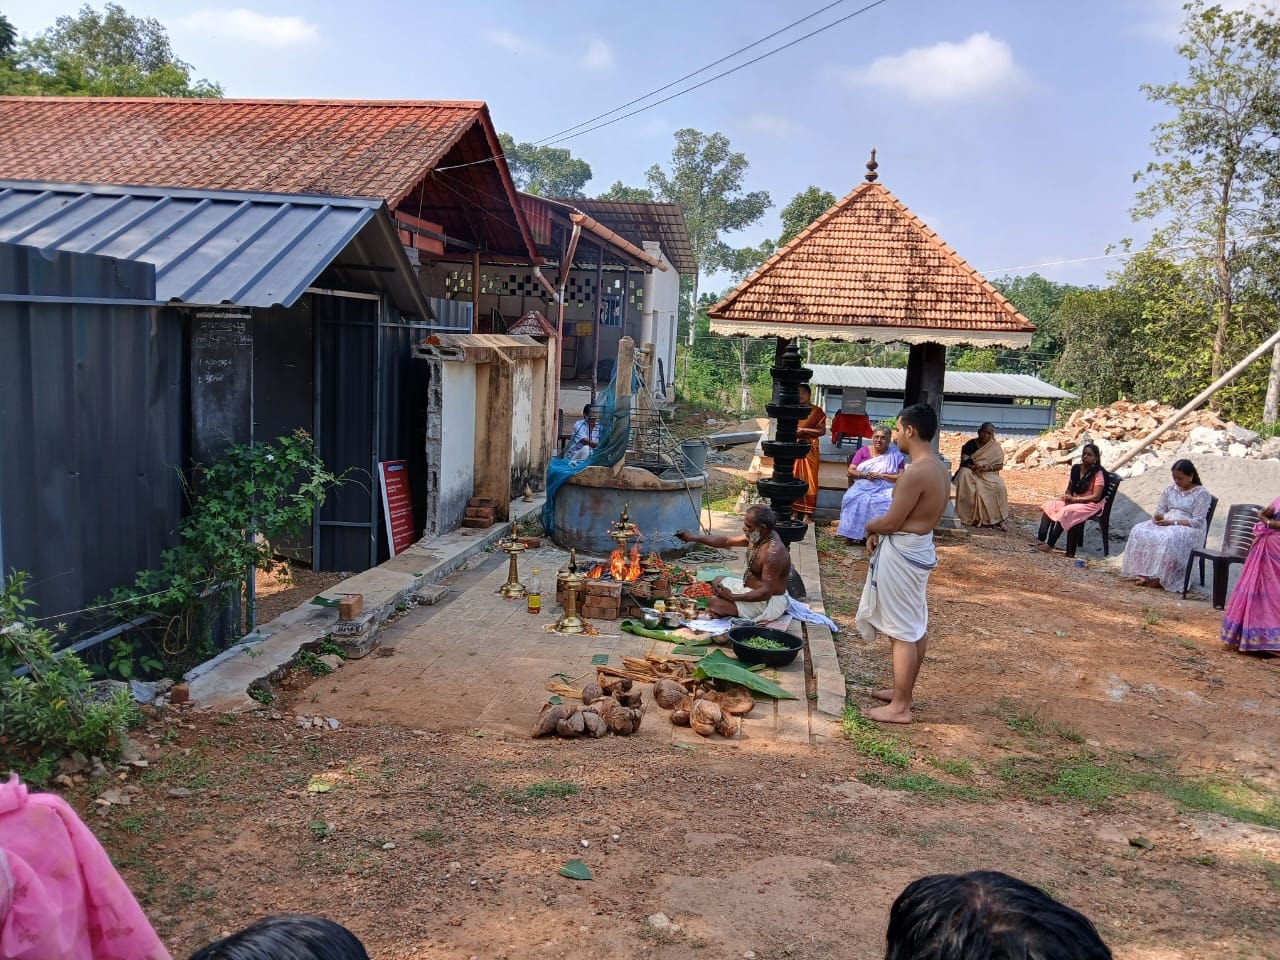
(1117, 428)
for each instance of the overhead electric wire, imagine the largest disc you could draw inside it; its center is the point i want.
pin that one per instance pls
(688, 76)
(718, 76)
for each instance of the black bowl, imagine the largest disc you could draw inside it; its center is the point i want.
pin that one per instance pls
(770, 658)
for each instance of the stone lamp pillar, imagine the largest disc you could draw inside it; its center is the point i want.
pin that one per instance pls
(782, 489)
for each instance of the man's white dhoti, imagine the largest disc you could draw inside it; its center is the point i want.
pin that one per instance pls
(893, 598)
(757, 611)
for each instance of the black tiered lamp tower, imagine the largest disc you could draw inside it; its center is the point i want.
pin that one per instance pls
(783, 489)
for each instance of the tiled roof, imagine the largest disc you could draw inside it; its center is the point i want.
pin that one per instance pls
(339, 148)
(869, 269)
(381, 149)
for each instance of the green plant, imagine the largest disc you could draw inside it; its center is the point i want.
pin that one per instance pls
(430, 836)
(957, 768)
(550, 788)
(129, 661)
(1150, 616)
(313, 664)
(870, 741)
(923, 784)
(250, 497)
(262, 695)
(48, 711)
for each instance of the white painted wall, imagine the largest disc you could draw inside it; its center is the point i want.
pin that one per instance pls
(662, 310)
(457, 441)
(524, 420)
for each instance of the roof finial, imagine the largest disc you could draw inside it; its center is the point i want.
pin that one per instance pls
(871, 167)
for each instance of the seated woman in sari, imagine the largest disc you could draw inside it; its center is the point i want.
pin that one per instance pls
(1251, 622)
(1082, 499)
(872, 491)
(981, 497)
(812, 429)
(1158, 549)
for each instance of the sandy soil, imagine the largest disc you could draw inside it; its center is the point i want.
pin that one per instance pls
(289, 586)
(1082, 733)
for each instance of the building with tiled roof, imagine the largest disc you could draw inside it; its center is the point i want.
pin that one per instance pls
(869, 269)
(437, 164)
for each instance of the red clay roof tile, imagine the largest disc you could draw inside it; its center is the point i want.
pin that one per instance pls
(868, 268)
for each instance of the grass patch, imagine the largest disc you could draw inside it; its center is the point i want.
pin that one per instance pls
(1017, 718)
(1151, 616)
(1240, 801)
(956, 768)
(923, 784)
(430, 836)
(870, 741)
(558, 789)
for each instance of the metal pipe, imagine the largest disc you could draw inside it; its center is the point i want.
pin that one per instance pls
(599, 327)
(565, 267)
(1199, 399)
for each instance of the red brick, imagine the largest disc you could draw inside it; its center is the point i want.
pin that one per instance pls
(476, 523)
(350, 606)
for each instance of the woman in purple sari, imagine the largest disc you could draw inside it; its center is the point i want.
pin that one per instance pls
(872, 490)
(1251, 623)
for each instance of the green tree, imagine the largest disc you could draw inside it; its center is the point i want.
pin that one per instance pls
(545, 171)
(804, 208)
(624, 194)
(8, 37)
(706, 180)
(1212, 182)
(1039, 300)
(102, 54)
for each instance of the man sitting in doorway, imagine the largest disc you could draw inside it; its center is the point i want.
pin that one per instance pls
(760, 595)
(586, 436)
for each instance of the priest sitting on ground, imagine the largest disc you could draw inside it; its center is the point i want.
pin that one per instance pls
(981, 497)
(761, 594)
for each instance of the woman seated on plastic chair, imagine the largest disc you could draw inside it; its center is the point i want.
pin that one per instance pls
(1158, 549)
(1083, 499)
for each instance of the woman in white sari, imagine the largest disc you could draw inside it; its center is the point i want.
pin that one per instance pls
(1157, 551)
(981, 497)
(872, 491)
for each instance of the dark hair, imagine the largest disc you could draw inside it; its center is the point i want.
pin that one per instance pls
(984, 426)
(921, 416)
(762, 516)
(1188, 468)
(289, 936)
(989, 915)
(1081, 481)
(1097, 454)
(587, 411)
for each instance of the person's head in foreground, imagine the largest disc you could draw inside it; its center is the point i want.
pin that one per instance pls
(758, 523)
(921, 420)
(987, 432)
(1090, 456)
(987, 916)
(588, 412)
(1185, 475)
(289, 936)
(880, 438)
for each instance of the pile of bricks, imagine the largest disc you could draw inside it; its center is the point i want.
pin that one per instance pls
(479, 513)
(612, 599)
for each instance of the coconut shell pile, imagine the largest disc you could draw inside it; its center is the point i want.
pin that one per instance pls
(610, 706)
(702, 706)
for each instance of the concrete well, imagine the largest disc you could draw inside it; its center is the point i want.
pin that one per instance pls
(592, 499)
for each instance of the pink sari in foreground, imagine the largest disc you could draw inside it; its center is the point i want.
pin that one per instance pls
(60, 897)
(1252, 620)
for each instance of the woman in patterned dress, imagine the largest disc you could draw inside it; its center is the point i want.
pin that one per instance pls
(1157, 551)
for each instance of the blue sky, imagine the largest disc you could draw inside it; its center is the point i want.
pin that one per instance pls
(1012, 127)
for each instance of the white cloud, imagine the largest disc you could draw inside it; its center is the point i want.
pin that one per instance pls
(514, 42)
(978, 66)
(249, 26)
(598, 56)
(769, 125)
(1162, 19)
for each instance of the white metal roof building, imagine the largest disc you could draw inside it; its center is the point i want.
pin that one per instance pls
(1014, 402)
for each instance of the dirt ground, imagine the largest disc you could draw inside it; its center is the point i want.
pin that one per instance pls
(289, 586)
(1085, 734)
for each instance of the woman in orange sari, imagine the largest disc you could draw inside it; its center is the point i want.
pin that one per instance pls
(812, 428)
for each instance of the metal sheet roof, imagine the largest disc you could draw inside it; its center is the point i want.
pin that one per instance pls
(215, 247)
(663, 222)
(955, 384)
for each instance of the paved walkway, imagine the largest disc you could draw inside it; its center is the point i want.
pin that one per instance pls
(481, 663)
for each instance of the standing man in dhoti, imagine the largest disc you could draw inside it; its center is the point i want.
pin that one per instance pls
(902, 554)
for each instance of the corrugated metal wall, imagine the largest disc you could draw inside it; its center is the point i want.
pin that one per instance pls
(92, 427)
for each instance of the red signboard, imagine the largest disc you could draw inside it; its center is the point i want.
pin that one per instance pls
(397, 504)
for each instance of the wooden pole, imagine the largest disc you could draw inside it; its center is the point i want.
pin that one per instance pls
(622, 391)
(1199, 400)
(595, 363)
(475, 290)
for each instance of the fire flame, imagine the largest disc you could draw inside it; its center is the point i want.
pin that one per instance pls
(622, 566)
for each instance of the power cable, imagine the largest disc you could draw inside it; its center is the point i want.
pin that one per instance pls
(718, 76)
(687, 76)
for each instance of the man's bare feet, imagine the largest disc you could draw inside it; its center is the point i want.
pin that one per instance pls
(1044, 548)
(888, 714)
(885, 696)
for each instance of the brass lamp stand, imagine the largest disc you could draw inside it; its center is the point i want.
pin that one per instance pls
(571, 622)
(513, 588)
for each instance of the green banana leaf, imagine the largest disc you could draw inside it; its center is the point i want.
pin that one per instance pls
(640, 630)
(716, 665)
